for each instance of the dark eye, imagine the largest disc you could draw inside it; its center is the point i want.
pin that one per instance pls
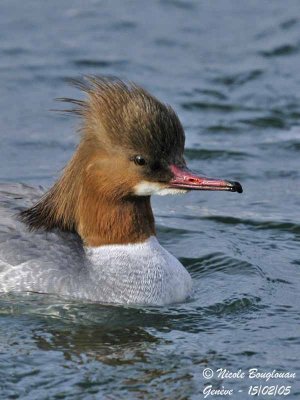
(139, 160)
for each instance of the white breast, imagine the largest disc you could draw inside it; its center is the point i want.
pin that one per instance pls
(143, 273)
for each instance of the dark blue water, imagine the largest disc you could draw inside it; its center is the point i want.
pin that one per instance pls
(231, 71)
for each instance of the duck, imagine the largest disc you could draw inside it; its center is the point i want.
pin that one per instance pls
(92, 235)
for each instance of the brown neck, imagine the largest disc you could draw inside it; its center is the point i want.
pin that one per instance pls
(82, 201)
(103, 222)
(104, 212)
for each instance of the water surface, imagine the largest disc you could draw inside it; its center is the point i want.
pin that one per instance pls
(231, 71)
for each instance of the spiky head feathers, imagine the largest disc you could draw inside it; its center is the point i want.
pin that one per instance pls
(125, 115)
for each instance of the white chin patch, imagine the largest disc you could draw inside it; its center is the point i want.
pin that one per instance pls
(145, 188)
(164, 192)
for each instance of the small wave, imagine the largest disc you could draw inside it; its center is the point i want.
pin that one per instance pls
(14, 51)
(283, 50)
(211, 93)
(202, 105)
(287, 139)
(284, 173)
(285, 25)
(217, 106)
(168, 42)
(180, 4)
(50, 144)
(265, 122)
(239, 78)
(217, 262)
(167, 230)
(206, 154)
(277, 280)
(123, 25)
(290, 145)
(104, 318)
(247, 353)
(234, 306)
(105, 323)
(93, 63)
(223, 129)
(258, 225)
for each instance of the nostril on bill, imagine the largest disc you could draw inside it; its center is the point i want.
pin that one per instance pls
(192, 180)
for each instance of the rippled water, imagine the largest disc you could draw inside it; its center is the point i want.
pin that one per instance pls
(231, 71)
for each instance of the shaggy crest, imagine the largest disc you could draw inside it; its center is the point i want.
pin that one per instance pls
(126, 115)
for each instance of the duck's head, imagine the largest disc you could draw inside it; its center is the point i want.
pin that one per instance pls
(131, 148)
(138, 141)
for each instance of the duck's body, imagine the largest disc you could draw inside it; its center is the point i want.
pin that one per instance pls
(92, 235)
(57, 262)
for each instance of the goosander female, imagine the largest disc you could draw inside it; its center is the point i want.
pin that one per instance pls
(102, 245)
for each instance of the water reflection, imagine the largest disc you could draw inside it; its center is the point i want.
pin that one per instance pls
(110, 346)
